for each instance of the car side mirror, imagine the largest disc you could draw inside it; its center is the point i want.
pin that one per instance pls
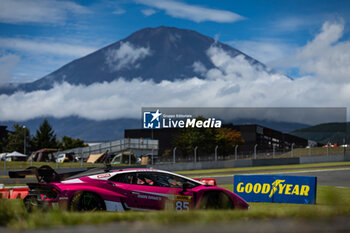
(185, 186)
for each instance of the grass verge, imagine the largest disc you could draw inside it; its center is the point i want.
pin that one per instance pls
(331, 202)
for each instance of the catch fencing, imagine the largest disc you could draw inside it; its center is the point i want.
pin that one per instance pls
(198, 155)
(138, 146)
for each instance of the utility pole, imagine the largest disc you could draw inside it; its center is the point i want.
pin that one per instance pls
(24, 141)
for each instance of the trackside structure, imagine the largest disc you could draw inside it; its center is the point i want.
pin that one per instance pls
(138, 146)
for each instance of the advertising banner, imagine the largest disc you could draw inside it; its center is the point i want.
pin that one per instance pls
(276, 188)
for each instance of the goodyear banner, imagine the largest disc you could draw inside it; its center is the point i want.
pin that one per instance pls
(276, 188)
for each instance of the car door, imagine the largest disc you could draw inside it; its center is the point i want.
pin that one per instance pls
(154, 191)
(167, 189)
(139, 195)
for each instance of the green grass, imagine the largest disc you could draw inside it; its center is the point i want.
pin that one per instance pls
(331, 202)
(277, 168)
(315, 151)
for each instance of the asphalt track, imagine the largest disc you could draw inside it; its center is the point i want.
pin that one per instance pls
(338, 176)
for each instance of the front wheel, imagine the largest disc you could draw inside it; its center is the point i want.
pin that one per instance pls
(87, 201)
(216, 200)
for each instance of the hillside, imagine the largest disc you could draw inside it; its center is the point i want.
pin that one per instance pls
(324, 133)
(161, 53)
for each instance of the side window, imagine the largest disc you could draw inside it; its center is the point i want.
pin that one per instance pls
(146, 178)
(176, 181)
(152, 179)
(126, 178)
(169, 181)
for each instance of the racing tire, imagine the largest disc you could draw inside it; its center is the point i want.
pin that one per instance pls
(216, 200)
(87, 201)
(31, 203)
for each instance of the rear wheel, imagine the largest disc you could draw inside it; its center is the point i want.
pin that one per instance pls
(87, 201)
(216, 200)
(31, 202)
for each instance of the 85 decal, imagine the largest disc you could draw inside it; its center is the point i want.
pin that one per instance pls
(182, 203)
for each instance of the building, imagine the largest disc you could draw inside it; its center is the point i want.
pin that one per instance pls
(265, 138)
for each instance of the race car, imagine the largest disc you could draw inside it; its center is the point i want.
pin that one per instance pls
(123, 189)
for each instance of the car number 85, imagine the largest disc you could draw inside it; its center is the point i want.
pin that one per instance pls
(182, 206)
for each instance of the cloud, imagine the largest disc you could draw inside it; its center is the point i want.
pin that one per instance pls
(126, 56)
(265, 50)
(233, 82)
(119, 11)
(292, 24)
(195, 13)
(7, 63)
(148, 12)
(325, 57)
(199, 68)
(40, 47)
(39, 11)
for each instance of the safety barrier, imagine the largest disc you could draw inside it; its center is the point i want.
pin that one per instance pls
(13, 193)
(5, 193)
(276, 188)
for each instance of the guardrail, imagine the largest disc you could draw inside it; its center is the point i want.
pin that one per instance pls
(137, 145)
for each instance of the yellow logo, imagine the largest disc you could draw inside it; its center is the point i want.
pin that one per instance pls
(278, 186)
(274, 186)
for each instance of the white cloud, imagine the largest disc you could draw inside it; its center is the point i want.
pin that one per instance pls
(7, 63)
(41, 47)
(264, 50)
(326, 57)
(195, 13)
(292, 24)
(38, 11)
(148, 12)
(234, 82)
(198, 67)
(126, 56)
(119, 11)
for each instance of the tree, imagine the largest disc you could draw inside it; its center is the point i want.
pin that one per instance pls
(45, 137)
(15, 140)
(70, 143)
(207, 139)
(227, 139)
(189, 138)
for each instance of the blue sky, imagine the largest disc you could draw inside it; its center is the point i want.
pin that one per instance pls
(37, 37)
(306, 40)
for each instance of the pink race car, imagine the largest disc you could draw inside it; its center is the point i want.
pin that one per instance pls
(124, 189)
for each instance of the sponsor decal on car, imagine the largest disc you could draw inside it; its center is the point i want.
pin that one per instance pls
(149, 197)
(182, 203)
(103, 176)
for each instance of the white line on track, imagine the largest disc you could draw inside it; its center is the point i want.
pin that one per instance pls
(289, 172)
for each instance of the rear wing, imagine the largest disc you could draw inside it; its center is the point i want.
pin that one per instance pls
(44, 174)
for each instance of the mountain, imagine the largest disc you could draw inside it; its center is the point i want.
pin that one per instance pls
(88, 130)
(161, 53)
(324, 133)
(284, 127)
(108, 130)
